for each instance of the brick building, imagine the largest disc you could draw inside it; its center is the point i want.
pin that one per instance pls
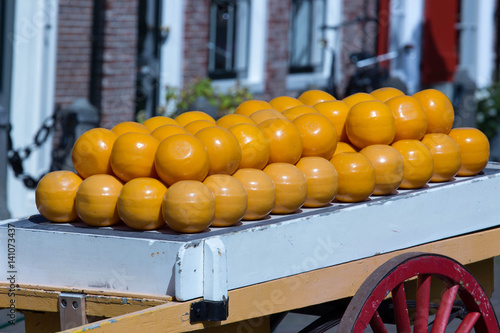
(121, 54)
(96, 56)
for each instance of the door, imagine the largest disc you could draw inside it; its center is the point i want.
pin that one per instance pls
(440, 41)
(384, 16)
(32, 92)
(6, 28)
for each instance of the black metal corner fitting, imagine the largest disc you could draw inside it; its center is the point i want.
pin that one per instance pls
(209, 311)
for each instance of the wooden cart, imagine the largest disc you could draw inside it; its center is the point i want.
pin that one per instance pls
(349, 261)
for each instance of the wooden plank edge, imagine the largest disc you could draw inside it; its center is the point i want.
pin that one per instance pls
(40, 298)
(90, 291)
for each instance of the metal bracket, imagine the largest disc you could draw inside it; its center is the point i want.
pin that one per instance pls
(72, 310)
(209, 311)
(214, 306)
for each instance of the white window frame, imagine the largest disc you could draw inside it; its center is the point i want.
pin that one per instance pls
(238, 29)
(299, 22)
(254, 79)
(300, 81)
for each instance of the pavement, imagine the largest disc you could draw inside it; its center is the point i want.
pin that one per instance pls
(5, 327)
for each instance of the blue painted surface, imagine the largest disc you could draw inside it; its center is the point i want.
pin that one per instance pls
(97, 325)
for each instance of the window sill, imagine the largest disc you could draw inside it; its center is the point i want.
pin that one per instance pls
(225, 84)
(301, 81)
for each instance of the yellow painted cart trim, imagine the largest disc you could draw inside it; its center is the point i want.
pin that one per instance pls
(102, 303)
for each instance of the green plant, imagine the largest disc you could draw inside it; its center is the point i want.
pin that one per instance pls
(141, 116)
(229, 101)
(225, 102)
(488, 110)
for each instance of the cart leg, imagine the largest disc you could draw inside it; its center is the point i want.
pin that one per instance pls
(72, 310)
(41, 322)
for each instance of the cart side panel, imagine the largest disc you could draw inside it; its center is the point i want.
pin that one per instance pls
(91, 261)
(360, 231)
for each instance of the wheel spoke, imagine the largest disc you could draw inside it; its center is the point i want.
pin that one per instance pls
(400, 309)
(389, 278)
(444, 310)
(376, 324)
(422, 303)
(468, 323)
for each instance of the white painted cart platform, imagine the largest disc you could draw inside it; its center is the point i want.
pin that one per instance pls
(264, 267)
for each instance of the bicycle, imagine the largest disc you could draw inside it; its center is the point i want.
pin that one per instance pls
(369, 74)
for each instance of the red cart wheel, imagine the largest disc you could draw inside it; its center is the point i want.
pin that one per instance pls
(388, 278)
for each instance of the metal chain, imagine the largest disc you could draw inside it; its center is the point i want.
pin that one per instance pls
(16, 157)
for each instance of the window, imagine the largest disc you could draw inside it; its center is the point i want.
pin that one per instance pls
(306, 54)
(229, 39)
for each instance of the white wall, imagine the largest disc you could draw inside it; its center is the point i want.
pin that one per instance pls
(477, 35)
(33, 69)
(257, 46)
(172, 50)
